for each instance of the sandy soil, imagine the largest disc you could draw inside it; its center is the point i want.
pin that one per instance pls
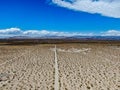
(98, 69)
(32, 71)
(10, 52)
(69, 67)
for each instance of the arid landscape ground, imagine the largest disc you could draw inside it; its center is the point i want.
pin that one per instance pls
(75, 66)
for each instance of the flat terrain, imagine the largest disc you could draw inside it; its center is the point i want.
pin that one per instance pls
(89, 67)
(66, 67)
(33, 70)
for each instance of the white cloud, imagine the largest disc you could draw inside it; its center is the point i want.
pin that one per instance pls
(11, 31)
(53, 33)
(110, 8)
(39, 33)
(111, 33)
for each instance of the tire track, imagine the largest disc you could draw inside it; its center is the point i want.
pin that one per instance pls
(56, 71)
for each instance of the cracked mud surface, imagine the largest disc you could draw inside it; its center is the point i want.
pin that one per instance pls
(80, 67)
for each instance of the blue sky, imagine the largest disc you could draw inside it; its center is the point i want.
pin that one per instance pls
(59, 16)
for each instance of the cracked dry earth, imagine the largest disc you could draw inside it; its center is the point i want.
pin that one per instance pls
(80, 67)
(98, 69)
(34, 70)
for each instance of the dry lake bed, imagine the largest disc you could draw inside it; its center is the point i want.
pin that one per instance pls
(60, 67)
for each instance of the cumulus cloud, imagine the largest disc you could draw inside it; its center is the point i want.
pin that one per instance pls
(11, 31)
(111, 33)
(110, 8)
(41, 33)
(38, 33)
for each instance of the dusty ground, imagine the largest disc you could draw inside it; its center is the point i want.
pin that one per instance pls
(80, 67)
(34, 70)
(92, 67)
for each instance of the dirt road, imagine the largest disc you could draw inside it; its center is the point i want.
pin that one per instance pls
(56, 71)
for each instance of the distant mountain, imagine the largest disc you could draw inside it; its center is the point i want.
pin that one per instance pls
(36, 37)
(95, 37)
(13, 37)
(67, 37)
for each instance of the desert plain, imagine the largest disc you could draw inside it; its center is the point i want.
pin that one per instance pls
(76, 66)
